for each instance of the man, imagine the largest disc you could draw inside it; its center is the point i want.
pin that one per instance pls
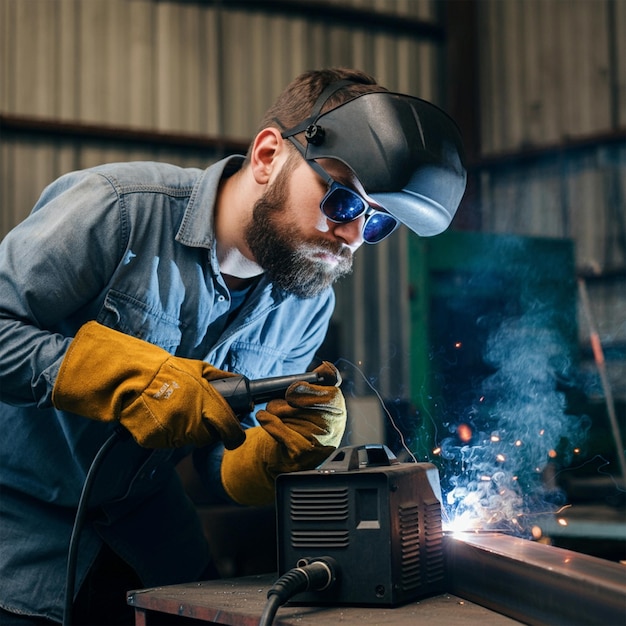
(131, 286)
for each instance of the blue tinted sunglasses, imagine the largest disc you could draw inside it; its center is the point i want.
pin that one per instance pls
(342, 204)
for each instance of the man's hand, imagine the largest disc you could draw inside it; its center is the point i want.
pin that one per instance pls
(162, 400)
(296, 433)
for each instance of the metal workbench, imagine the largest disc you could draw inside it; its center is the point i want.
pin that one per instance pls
(240, 602)
(491, 580)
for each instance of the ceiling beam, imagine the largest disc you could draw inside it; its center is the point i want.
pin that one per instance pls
(335, 14)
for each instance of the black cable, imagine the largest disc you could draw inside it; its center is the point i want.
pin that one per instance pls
(269, 612)
(237, 391)
(311, 574)
(79, 520)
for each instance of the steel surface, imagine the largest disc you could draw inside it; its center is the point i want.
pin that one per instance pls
(535, 583)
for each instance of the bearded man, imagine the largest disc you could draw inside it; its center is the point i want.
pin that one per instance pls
(132, 286)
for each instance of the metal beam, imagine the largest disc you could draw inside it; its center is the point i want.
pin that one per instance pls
(533, 582)
(22, 125)
(336, 14)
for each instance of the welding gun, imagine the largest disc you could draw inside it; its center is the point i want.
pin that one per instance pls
(242, 394)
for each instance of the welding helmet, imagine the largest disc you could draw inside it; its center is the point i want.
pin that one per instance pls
(406, 152)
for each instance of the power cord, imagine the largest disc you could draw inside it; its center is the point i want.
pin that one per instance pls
(310, 574)
(79, 521)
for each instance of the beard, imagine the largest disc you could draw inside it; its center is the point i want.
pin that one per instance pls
(285, 254)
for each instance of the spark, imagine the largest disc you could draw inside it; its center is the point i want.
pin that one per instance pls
(465, 432)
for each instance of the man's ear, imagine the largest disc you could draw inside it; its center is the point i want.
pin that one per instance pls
(268, 152)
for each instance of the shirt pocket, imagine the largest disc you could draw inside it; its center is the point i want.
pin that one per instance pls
(141, 320)
(256, 360)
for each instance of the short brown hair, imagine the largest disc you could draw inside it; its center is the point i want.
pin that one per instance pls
(296, 101)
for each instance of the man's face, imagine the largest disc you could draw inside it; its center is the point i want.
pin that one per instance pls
(299, 249)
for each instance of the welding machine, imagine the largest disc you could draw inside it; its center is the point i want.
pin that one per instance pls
(376, 519)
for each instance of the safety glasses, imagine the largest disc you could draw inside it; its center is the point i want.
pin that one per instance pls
(342, 204)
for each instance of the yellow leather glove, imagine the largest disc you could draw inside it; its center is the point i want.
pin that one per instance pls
(296, 433)
(162, 400)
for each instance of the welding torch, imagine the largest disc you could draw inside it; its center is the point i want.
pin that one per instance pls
(242, 394)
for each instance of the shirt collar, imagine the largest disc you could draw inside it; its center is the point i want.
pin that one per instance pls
(197, 227)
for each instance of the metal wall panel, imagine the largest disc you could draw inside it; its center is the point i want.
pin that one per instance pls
(551, 71)
(551, 76)
(553, 90)
(180, 66)
(580, 195)
(617, 15)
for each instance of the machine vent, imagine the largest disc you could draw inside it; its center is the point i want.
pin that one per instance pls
(319, 505)
(410, 547)
(433, 541)
(320, 539)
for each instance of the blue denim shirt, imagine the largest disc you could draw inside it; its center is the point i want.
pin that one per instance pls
(132, 246)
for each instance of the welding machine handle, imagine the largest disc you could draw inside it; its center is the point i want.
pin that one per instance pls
(350, 458)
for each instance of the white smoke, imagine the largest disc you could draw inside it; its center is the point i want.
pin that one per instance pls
(497, 477)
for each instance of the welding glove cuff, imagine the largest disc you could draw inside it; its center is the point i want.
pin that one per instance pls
(297, 433)
(162, 400)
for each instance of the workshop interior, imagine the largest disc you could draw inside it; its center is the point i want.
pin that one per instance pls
(484, 368)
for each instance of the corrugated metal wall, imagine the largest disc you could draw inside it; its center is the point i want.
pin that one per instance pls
(553, 131)
(551, 71)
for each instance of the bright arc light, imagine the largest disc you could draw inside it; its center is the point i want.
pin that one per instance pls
(461, 525)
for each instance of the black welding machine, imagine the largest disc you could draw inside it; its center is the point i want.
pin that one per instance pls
(374, 522)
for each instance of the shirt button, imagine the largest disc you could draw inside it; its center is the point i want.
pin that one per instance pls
(221, 298)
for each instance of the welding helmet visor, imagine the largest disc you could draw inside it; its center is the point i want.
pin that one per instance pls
(406, 152)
